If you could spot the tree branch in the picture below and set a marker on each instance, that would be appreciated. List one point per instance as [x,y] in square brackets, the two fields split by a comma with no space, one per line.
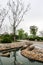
[23,15]
[3,18]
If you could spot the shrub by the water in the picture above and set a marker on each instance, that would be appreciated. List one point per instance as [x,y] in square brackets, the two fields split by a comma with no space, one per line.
[38,38]
[32,38]
[41,38]
[7,38]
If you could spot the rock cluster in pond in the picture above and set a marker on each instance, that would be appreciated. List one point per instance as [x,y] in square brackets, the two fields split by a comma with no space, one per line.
[5,54]
[33,53]
[5,49]
[27,50]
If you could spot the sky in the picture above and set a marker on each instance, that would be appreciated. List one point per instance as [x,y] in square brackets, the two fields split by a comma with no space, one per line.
[33,17]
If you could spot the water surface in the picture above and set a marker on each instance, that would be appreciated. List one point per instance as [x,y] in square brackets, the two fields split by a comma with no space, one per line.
[17,59]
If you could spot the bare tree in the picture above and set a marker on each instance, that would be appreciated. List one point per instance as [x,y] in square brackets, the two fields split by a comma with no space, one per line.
[18,10]
[3,14]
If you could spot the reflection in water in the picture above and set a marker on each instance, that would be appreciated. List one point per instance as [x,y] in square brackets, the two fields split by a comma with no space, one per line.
[20,60]
[1,61]
[17,59]
[13,54]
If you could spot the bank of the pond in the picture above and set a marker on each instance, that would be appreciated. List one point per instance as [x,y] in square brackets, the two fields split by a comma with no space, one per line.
[5,49]
[33,53]
[20,60]
[25,61]
[10,46]
[29,49]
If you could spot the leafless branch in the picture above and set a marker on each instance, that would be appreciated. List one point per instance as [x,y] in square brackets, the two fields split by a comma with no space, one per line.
[18,11]
[22,15]
[3,15]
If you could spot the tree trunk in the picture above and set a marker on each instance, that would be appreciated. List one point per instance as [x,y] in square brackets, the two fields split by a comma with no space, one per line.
[14,30]
[14,33]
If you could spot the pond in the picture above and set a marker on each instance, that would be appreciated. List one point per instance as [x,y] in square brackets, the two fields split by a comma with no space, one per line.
[17,59]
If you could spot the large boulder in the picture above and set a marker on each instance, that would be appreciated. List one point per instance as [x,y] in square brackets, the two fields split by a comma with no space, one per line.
[34,54]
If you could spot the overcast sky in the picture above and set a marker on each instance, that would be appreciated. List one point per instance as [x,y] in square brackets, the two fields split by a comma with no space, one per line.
[33,17]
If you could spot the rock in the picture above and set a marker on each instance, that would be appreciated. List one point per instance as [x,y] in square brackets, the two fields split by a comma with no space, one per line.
[24,47]
[34,55]
[31,47]
[10,47]
[5,55]
[29,43]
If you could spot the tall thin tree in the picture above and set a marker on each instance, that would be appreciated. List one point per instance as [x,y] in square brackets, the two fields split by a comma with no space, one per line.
[3,14]
[18,10]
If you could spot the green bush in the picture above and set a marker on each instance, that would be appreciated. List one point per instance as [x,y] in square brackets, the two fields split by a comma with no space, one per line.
[17,37]
[31,37]
[7,38]
[37,38]
[12,37]
[41,38]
